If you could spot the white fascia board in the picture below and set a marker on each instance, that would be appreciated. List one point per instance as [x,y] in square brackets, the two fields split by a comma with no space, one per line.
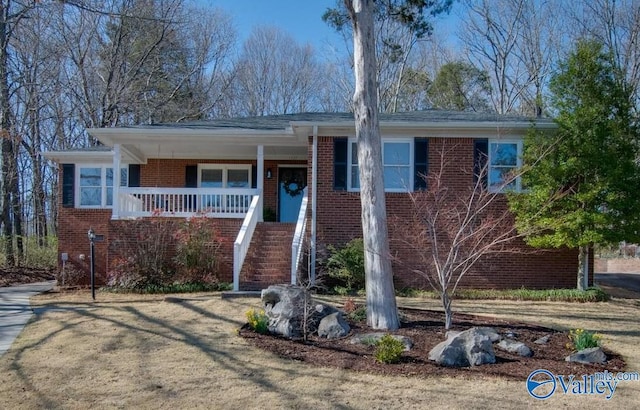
[69,157]
[111,136]
[434,128]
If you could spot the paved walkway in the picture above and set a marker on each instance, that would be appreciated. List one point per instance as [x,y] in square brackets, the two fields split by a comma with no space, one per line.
[629,281]
[15,311]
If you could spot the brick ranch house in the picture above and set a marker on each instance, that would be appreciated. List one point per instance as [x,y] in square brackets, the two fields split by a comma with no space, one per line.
[238,171]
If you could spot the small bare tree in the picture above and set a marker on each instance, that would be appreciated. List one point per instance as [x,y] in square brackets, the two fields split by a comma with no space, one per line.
[451,228]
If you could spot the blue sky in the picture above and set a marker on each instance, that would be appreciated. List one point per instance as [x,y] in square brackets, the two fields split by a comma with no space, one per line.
[300,18]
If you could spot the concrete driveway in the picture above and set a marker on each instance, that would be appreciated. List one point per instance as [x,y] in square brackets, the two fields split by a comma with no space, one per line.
[15,311]
[629,281]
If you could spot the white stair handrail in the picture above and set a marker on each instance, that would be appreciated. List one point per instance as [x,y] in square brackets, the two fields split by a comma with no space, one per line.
[243,240]
[298,238]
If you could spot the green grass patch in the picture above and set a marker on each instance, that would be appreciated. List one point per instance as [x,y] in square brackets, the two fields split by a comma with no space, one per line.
[173,288]
[550,295]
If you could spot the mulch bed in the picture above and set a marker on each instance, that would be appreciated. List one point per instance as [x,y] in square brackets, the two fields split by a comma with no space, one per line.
[425,329]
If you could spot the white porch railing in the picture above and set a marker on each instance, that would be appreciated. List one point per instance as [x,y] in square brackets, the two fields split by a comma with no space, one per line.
[243,241]
[185,202]
[297,247]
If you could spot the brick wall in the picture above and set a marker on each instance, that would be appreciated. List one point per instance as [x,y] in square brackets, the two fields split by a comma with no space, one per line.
[125,235]
[339,221]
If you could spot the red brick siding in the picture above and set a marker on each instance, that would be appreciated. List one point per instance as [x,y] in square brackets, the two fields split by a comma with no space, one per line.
[227,230]
[73,225]
[339,221]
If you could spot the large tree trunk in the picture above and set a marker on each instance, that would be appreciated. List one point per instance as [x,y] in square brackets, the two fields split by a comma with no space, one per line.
[382,312]
[583,267]
[7,142]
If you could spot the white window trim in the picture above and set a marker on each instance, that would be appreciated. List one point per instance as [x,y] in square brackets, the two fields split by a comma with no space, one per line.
[224,168]
[103,185]
[519,144]
[412,164]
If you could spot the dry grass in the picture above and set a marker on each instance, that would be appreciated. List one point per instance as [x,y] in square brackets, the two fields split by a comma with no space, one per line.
[132,351]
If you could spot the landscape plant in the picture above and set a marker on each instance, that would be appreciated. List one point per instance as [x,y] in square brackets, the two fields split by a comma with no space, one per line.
[581,339]
[585,191]
[389,349]
[450,230]
[258,321]
[198,245]
[142,254]
[346,266]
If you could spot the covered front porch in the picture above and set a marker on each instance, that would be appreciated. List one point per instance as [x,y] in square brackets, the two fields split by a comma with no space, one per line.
[231,177]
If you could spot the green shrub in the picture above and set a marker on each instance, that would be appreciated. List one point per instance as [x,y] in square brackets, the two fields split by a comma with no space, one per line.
[549,295]
[581,339]
[389,349]
[258,321]
[346,266]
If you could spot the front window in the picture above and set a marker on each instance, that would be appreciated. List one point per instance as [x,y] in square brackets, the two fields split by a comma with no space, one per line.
[95,184]
[397,163]
[225,176]
[504,161]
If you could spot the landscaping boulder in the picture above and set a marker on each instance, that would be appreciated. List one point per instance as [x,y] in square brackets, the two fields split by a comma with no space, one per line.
[472,347]
[333,326]
[591,355]
[513,346]
[543,340]
[291,310]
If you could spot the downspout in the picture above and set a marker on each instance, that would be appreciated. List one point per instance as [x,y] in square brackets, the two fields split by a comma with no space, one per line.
[314,197]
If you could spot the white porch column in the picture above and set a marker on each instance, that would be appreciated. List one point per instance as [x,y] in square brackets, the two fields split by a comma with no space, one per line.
[115,211]
[260,182]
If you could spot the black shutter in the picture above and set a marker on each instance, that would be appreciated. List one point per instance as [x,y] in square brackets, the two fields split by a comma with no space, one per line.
[68,185]
[134,175]
[191,176]
[480,157]
[340,149]
[254,176]
[420,163]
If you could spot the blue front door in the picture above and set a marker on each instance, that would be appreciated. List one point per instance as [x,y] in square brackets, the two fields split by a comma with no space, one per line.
[291,182]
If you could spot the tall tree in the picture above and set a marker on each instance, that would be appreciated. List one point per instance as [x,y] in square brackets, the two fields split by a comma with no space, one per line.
[382,312]
[275,75]
[398,27]
[11,217]
[591,172]
[460,86]
[381,304]
[616,24]
[490,34]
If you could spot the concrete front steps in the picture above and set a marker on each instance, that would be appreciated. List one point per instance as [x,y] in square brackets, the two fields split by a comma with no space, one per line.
[268,261]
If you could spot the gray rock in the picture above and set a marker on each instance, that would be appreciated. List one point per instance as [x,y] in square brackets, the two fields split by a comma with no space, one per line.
[472,347]
[591,355]
[543,340]
[490,332]
[333,326]
[373,338]
[452,333]
[510,334]
[513,346]
[292,311]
